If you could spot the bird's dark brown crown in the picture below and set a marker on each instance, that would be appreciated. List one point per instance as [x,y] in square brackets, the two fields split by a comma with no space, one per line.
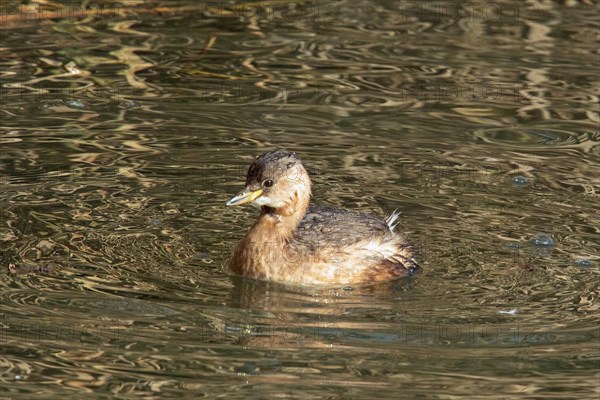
[273,165]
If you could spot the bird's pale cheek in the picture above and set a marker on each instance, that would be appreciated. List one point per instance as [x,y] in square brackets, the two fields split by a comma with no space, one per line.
[268,201]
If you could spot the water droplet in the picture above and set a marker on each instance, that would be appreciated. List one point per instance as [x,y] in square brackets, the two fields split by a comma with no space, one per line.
[520,180]
[542,240]
[583,263]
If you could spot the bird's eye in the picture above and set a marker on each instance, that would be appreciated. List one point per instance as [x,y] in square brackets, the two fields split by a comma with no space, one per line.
[268,183]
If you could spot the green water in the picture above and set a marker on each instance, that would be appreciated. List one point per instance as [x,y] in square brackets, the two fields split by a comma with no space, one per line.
[126,126]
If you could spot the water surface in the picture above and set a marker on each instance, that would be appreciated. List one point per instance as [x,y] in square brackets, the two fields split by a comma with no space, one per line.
[126,126]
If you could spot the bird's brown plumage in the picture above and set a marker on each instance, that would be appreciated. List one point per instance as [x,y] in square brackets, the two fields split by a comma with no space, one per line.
[295,242]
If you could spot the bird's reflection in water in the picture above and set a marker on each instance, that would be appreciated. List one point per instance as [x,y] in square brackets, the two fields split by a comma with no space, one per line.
[281,316]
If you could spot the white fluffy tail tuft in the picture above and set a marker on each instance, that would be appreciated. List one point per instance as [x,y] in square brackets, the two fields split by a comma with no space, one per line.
[391,220]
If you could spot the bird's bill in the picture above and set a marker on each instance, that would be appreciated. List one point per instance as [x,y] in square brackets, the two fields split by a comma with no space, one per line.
[245,196]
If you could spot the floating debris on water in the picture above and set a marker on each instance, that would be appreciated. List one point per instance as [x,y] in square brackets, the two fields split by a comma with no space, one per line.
[31,269]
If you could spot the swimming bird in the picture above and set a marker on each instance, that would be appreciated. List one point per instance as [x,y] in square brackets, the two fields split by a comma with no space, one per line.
[296,242]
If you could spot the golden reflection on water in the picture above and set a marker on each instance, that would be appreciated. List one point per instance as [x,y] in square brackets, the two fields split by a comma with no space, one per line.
[124,132]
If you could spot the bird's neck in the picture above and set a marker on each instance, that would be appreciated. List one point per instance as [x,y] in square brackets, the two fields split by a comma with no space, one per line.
[280,223]
[264,248]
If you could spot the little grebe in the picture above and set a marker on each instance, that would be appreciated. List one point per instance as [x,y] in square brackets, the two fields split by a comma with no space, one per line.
[299,243]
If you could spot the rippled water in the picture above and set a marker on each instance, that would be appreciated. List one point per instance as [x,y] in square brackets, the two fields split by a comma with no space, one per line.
[126,126]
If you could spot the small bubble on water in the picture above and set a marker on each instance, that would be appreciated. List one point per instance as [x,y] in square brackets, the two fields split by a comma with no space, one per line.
[17,377]
[542,240]
[583,263]
[130,104]
[514,245]
[76,104]
[520,180]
